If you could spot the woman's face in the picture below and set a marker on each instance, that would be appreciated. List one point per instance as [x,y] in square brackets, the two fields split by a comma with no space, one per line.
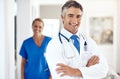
[37,28]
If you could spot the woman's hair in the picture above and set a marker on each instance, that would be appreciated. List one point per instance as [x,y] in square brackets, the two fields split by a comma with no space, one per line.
[71,3]
[38,19]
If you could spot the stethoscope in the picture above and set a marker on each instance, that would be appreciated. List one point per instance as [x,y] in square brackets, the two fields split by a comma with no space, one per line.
[85,42]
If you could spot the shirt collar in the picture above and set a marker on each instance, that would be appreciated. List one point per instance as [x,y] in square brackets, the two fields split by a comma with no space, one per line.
[67,33]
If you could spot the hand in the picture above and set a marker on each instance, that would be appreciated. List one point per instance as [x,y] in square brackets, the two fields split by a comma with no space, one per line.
[92,61]
[67,71]
[50,77]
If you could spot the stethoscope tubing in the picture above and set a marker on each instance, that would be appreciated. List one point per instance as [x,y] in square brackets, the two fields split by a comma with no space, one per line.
[85,43]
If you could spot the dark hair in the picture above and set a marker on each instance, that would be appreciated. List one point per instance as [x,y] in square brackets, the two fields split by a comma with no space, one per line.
[72,3]
[38,19]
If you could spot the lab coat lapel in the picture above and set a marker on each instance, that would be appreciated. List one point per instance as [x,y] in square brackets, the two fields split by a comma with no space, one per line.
[69,50]
[81,40]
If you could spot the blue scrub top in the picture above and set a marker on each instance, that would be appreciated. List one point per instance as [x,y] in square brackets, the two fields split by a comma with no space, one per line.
[36,66]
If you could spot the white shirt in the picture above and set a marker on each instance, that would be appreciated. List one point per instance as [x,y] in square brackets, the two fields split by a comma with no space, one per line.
[66,53]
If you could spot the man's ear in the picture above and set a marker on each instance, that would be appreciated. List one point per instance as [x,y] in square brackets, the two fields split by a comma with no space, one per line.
[62,16]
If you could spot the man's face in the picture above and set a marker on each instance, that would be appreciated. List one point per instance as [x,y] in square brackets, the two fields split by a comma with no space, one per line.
[71,19]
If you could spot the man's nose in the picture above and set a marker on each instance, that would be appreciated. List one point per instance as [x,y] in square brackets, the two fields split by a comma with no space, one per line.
[74,20]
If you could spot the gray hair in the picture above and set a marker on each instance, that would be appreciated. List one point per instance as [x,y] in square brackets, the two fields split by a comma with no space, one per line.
[71,3]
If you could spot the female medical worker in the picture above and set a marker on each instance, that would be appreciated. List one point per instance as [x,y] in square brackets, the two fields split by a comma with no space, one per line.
[64,60]
[33,63]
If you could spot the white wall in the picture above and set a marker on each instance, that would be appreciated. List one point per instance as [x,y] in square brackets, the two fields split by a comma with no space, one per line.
[50,11]
[9,41]
[118,37]
[2,41]
[7,62]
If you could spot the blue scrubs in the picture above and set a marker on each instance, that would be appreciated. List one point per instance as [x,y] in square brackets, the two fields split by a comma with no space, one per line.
[36,66]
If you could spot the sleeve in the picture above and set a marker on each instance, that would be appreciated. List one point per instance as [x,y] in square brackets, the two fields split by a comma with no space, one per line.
[53,56]
[96,71]
[23,52]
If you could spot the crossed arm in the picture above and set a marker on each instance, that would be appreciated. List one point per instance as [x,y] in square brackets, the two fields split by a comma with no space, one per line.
[66,70]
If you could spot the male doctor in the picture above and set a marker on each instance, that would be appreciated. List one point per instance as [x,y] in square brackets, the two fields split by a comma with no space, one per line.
[72,55]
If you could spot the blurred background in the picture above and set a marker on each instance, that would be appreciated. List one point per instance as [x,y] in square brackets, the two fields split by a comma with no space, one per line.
[101,21]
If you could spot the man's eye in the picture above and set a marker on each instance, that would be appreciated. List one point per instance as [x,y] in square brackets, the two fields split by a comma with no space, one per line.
[40,27]
[79,16]
[35,26]
[70,15]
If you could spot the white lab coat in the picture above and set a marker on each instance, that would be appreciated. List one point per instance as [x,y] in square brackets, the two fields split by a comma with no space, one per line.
[67,54]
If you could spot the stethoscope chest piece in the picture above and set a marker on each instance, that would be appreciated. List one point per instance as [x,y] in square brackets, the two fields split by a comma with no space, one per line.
[85,46]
